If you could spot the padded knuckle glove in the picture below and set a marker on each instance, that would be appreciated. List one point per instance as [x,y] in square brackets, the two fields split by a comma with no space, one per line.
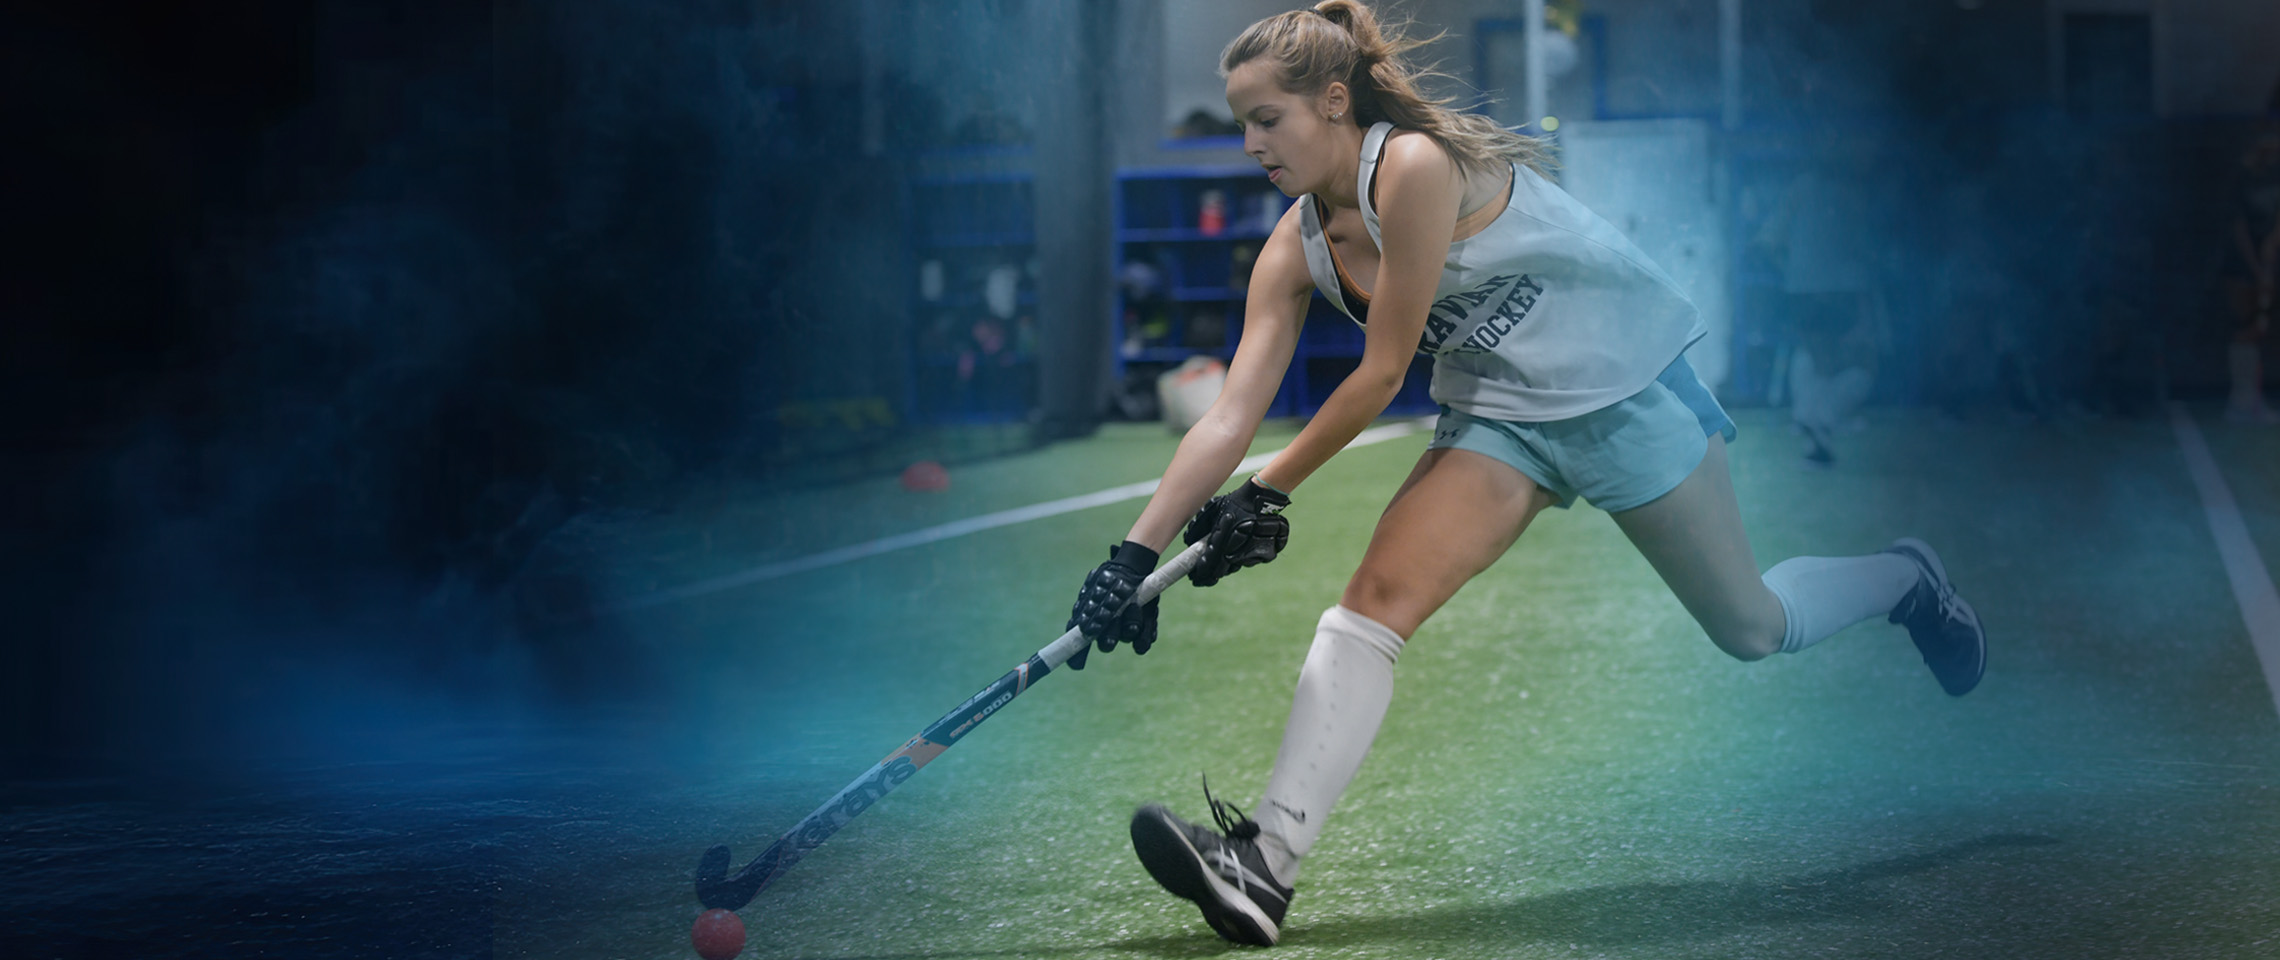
[1243,528]
[1104,612]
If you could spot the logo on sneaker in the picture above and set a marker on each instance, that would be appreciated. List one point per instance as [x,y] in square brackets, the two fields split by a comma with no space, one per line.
[1298,815]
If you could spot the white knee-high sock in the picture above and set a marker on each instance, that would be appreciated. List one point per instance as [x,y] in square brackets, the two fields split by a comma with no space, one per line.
[1822,595]
[1342,694]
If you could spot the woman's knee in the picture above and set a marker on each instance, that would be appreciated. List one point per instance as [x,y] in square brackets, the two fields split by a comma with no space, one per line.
[1748,637]
[1382,598]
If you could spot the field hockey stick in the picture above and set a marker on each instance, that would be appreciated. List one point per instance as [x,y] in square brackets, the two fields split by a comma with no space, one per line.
[717,890]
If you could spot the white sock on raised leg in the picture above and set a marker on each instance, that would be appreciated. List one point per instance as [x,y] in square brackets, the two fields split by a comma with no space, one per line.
[1822,595]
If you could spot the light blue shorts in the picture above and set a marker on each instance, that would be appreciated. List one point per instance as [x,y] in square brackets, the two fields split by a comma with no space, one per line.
[1617,457]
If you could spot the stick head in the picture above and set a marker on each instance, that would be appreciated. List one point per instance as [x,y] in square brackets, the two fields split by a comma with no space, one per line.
[714,889]
[717,890]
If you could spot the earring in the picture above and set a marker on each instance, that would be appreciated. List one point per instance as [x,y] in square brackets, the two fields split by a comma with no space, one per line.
[1335,116]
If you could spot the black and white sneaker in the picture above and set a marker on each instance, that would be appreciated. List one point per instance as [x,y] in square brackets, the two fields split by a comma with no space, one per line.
[1945,628]
[1221,870]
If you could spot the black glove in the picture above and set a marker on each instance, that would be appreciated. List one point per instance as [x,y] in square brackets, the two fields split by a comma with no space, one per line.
[1244,527]
[1102,611]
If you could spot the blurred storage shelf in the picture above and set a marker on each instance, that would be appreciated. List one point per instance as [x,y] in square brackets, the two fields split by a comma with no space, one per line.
[1186,238]
[1181,282]
[1177,234]
[979,240]
[970,230]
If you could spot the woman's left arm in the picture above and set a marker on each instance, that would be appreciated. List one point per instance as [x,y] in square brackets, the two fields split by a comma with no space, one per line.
[1419,189]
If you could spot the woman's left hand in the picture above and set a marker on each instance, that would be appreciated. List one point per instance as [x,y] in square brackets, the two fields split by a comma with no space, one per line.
[1244,527]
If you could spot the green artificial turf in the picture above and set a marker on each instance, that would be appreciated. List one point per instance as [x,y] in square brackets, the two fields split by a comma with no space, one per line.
[1569,769]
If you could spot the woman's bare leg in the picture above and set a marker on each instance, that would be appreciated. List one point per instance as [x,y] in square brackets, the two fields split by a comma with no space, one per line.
[1455,515]
[1452,518]
[1693,537]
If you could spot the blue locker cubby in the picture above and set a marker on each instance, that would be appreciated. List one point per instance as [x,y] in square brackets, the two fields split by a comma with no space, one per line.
[967,364]
[1180,284]
[1184,299]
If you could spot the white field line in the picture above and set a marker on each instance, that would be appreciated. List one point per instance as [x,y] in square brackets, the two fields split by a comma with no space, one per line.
[2251,579]
[960,528]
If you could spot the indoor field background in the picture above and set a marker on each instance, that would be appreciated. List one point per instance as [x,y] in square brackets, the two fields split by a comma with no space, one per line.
[453,452]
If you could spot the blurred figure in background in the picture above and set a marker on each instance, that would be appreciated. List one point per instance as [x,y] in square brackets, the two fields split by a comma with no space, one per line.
[2249,277]
[1819,236]
[2119,363]
[2015,373]
[1974,293]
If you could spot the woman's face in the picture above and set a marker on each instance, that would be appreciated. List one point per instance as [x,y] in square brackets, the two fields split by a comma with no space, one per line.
[1290,134]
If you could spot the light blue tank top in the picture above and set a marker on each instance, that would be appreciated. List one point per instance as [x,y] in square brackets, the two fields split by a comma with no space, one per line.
[1547,314]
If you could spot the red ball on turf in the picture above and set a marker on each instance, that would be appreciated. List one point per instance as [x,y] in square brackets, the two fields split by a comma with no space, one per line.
[925,476]
[719,935]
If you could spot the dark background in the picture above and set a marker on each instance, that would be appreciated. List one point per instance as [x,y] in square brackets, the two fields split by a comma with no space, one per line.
[323,317]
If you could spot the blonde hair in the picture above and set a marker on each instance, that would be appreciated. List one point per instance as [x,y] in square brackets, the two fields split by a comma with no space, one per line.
[1340,41]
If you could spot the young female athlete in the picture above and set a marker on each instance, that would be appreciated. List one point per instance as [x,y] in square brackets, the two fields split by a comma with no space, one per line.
[1558,365]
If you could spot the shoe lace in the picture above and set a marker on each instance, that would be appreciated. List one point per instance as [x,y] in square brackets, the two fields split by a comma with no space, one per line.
[1238,826]
[1951,606]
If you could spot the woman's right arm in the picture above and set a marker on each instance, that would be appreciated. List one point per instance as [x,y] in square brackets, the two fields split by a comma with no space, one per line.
[1273,310]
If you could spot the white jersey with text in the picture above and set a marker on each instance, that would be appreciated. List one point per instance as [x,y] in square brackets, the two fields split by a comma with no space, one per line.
[1547,314]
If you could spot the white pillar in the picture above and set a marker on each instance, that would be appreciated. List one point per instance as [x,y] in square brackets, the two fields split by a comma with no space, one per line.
[1074,188]
[1532,14]
[1730,64]
[871,23]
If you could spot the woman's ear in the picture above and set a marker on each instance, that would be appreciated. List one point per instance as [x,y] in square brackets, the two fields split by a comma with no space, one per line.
[1335,101]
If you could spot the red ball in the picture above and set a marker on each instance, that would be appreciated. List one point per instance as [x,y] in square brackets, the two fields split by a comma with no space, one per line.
[925,475]
[719,935]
